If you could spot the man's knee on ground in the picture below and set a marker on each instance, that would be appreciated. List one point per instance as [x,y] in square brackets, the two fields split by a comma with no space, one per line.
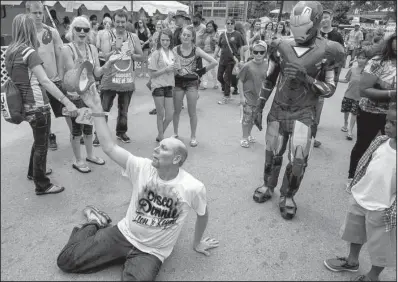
[65,263]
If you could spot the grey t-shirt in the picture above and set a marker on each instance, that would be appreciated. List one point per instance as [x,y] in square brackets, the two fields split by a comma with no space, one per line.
[252,76]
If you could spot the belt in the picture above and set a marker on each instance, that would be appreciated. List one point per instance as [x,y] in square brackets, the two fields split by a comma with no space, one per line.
[38,109]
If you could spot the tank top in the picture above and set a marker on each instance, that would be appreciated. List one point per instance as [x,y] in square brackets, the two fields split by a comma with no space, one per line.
[121,75]
[78,60]
[144,37]
[188,65]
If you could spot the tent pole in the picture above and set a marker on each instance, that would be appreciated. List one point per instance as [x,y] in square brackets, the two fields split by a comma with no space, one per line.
[280,12]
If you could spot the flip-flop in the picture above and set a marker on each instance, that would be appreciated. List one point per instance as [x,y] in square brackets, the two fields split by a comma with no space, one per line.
[104,214]
[97,161]
[344,129]
[80,169]
[349,137]
[53,189]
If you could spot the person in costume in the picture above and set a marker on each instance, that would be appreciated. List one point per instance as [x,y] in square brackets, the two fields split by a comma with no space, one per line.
[305,67]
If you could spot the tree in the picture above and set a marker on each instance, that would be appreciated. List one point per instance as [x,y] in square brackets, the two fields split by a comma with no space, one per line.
[340,10]
[260,9]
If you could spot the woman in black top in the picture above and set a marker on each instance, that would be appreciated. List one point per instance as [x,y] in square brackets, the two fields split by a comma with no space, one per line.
[144,35]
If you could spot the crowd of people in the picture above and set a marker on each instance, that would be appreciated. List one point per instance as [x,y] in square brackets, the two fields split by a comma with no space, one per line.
[180,56]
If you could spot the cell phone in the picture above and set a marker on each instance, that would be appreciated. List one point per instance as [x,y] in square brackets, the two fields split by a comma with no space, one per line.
[119,43]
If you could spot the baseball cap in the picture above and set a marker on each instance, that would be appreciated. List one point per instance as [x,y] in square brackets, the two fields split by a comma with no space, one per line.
[328,11]
[260,43]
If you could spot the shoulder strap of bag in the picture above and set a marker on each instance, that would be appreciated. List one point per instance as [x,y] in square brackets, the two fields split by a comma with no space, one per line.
[226,38]
[74,53]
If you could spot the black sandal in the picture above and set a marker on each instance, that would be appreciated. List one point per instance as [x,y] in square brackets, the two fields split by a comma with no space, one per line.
[261,197]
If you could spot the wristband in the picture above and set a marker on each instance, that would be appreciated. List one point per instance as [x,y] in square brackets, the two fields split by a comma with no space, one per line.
[103,114]
[60,99]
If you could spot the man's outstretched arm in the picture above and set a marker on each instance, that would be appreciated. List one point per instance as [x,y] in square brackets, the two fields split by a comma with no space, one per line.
[108,145]
[199,245]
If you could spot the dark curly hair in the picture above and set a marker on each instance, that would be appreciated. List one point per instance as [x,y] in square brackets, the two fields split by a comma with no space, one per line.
[388,53]
[167,32]
[215,27]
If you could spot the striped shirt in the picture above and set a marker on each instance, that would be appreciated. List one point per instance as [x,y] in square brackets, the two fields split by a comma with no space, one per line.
[20,72]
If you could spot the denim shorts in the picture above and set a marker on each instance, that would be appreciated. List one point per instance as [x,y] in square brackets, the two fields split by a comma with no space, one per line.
[55,104]
[166,91]
[184,85]
[77,128]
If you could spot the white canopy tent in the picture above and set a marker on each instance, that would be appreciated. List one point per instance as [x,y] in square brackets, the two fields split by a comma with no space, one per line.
[163,7]
[94,5]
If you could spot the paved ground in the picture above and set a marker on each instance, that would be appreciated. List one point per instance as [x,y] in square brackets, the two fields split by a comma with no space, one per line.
[255,242]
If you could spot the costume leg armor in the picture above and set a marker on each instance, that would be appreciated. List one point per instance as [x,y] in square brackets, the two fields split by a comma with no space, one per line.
[301,143]
[276,142]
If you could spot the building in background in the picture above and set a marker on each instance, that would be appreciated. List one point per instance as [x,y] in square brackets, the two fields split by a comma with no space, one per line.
[218,11]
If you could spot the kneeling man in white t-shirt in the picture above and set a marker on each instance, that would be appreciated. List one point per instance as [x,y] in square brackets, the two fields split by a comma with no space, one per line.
[162,195]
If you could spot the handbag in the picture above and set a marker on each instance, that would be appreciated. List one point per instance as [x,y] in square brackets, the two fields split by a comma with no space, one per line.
[11,100]
[235,70]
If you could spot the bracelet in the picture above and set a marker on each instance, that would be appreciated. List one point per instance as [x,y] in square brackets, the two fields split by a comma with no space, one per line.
[60,99]
[103,114]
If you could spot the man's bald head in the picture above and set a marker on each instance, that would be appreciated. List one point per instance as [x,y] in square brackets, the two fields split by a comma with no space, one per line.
[179,149]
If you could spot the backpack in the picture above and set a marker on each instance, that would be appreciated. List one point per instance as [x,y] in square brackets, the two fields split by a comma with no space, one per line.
[11,100]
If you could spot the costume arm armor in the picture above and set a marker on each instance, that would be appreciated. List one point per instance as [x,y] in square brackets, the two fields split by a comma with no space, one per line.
[324,83]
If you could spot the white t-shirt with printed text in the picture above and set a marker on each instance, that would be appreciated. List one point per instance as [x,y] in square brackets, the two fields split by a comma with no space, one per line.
[158,208]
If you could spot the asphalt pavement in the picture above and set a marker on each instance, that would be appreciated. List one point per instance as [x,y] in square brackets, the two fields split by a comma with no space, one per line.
[255,242]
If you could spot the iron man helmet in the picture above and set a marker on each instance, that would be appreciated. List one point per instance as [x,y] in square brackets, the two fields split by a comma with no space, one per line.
[305,20]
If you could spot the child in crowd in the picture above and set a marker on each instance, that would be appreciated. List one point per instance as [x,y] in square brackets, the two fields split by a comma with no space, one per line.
[350,103]
[251,78]
[162,65]
[373,211]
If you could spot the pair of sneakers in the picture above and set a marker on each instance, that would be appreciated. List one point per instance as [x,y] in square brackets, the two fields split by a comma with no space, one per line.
[245,143]
[340,264]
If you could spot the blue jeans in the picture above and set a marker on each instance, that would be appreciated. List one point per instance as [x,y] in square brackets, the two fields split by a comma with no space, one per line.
[40,125]
[224,76]
[123,102]
[91,249]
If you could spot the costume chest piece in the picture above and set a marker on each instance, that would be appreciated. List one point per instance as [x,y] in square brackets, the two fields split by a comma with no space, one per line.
[308,57]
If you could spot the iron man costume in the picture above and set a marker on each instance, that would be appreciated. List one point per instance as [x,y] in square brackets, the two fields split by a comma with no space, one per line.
[302,69]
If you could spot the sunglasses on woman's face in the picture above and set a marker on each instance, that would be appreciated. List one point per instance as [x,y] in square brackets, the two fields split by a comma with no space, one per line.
[85,29]
[230,24]
[258,52]
[139,22]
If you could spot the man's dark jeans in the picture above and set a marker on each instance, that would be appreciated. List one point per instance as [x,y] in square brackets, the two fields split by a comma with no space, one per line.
[40,125]
[91,249]
[123,101]
[226,79]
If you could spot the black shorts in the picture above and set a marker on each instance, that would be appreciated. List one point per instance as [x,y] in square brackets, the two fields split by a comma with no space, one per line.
[166,91]
[349,106]
[55,104]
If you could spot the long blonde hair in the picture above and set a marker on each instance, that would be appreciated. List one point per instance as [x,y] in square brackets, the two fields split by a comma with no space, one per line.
[69,34]
[23,33]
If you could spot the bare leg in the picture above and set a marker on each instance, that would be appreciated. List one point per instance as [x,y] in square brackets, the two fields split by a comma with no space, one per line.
[245,131]
[250,127]
[346,119]
[353,120]
[353,257]
[160,113]
[192,100]
[374,272]
[169,110]
[69,123]
[75,142]
[177,99]
[88,143]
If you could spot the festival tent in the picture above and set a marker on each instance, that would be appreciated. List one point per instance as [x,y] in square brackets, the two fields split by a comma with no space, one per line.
[93,5]
[164,7]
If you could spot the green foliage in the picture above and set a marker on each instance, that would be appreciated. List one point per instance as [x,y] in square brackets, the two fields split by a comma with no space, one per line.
[261,9]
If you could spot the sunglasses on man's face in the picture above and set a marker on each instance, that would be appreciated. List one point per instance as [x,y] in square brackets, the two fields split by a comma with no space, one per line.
[258,52]
[85,29]
[230,24]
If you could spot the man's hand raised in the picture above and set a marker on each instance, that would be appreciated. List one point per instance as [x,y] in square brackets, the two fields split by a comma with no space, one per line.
[206,244]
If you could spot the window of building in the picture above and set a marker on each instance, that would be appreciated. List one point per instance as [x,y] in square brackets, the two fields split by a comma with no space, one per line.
[207,4]
[219,13]
[206,13]
[220,4]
